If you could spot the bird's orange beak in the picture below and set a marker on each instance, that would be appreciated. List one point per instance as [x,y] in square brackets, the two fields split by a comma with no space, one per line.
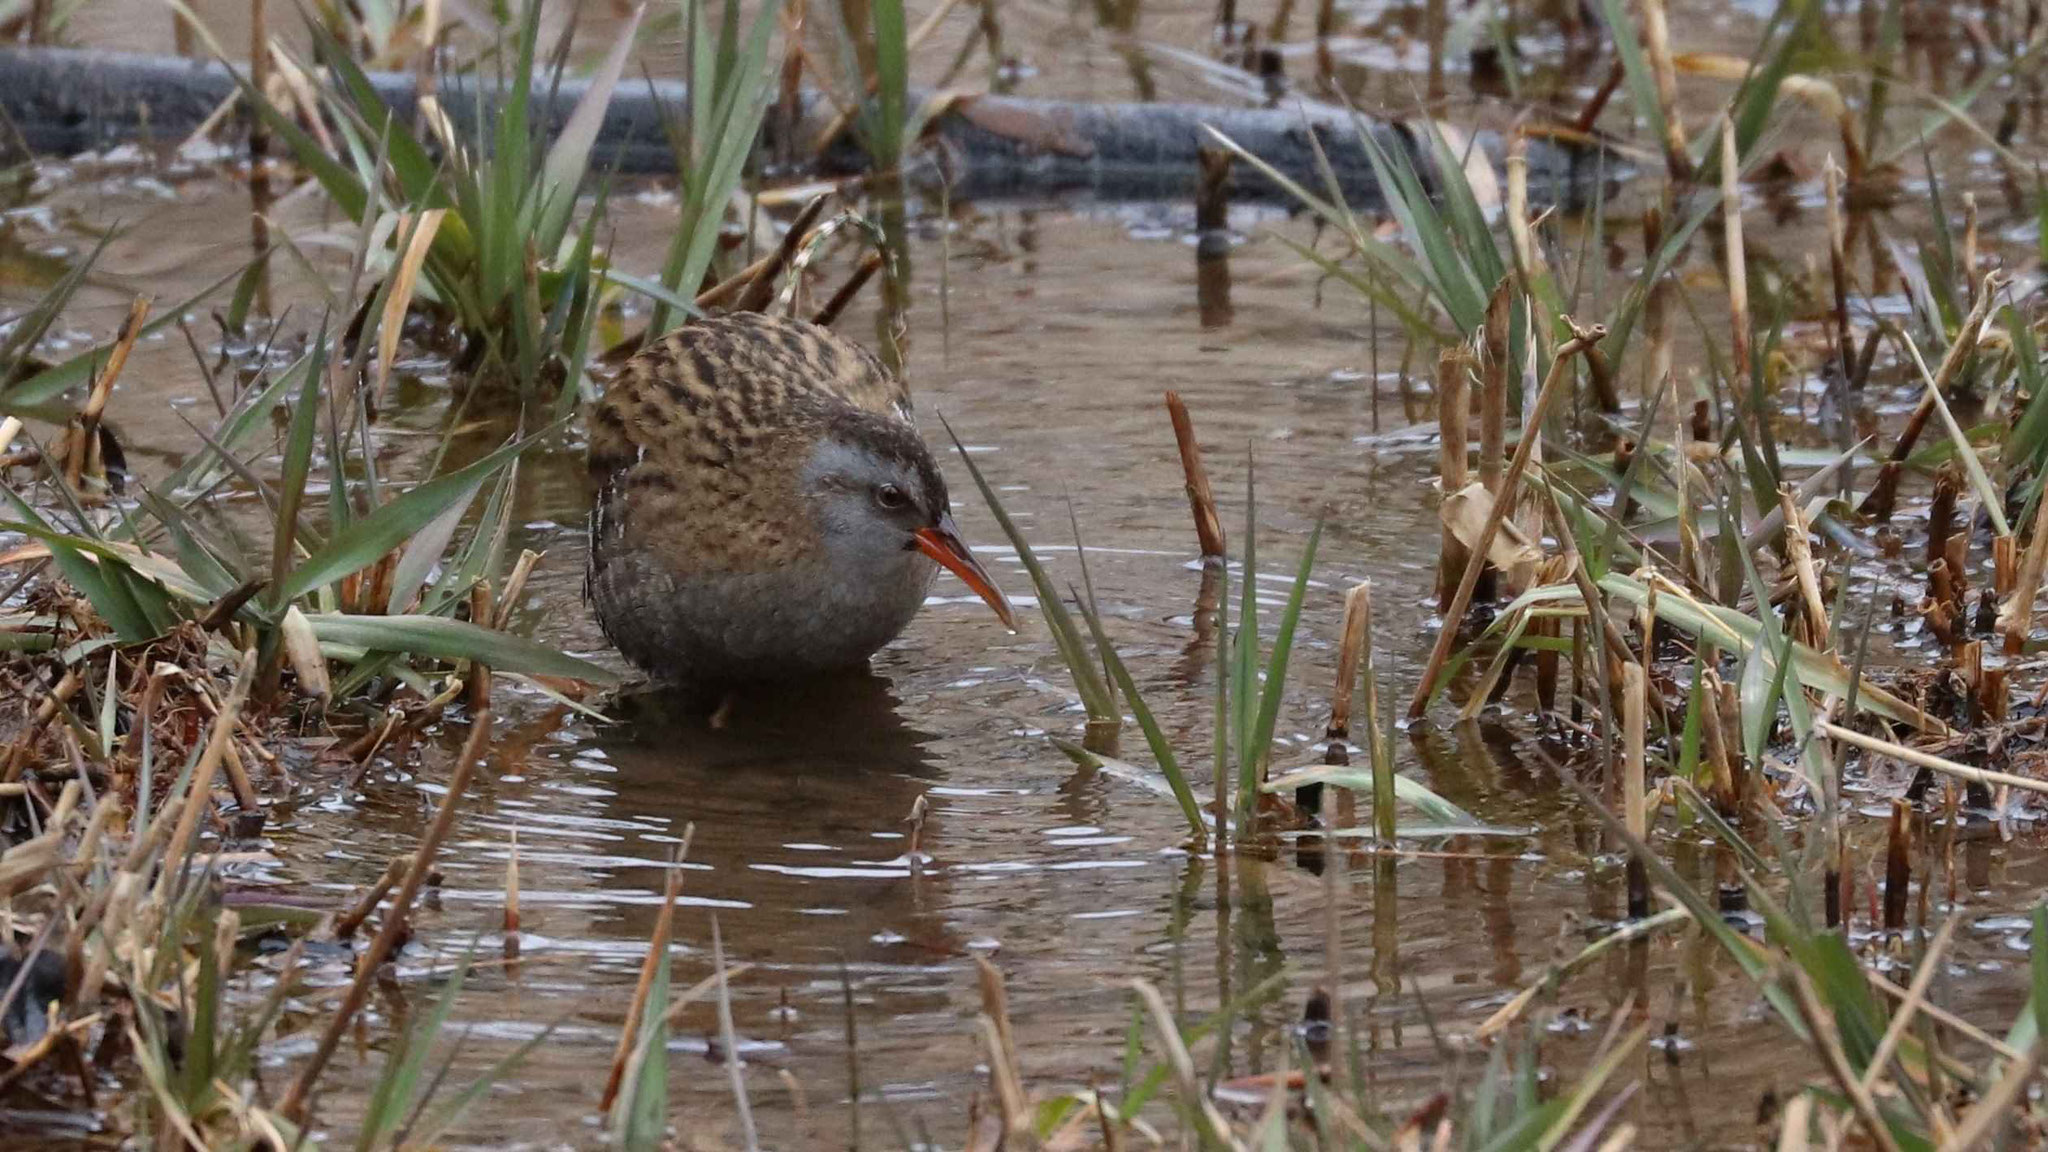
[942,543]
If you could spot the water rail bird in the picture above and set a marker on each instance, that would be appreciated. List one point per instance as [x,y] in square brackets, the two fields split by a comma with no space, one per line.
[764,507]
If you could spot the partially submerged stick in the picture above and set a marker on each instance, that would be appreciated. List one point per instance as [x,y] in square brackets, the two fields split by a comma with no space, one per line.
[1201,498]
[386,941]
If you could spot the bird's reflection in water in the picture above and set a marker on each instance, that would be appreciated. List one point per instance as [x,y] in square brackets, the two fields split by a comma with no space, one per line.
[800,798]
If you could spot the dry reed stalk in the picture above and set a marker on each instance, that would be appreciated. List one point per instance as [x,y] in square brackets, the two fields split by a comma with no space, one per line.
[1350,651]
[1590,114]
[657,954]
[1941,511]
[1878,504]
[1546,398]
[59,697]
[789,85]
[2005,566]
[720,293]
[297,1097]
[729,1039]
[515,588]
[760,288]
[82,455]
[1006,1072]
[511,925]
[239,782]
[1941,618]
[1915,1000]
[1725,714]
[346,924]
[1838,272]
[1820,1028]
[1994,1111]
[1326,64]
[1453,409]
[1799,553]
[1657,44]
[1519,233]
[1898,865]
[1201,498]
[1992,694]
[1970,666]
[1919,759]
[920,808]
[481,611]
[1493,393]
[1635,692]
[1216,1128]
[200,793]
[862,273]
[1737,255]
[2016,617]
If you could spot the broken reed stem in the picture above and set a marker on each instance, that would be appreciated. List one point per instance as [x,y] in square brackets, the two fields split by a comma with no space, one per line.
[512,897]
[760,289]
[864,272]
[1799,553]
[1453,410]
[481,613]
[346,924]
[657,954]
[1878,504]
[1553,385]
[1380,752]
[1493,414]
[1635,691]
[1898,866]
[1738,257]
[294,1106]
[84,447]
[1337,733]
[201,791]
[1201,498]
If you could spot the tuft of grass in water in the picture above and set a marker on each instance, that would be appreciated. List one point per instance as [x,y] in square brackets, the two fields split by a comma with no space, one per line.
[728,78]
[1251,686]
[502,261]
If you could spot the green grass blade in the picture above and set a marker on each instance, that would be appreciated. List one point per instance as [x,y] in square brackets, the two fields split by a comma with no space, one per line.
[298,462]
[569,158]
[364,542]
[446,639]
[1283,648]
[1095,695]
[1155,737]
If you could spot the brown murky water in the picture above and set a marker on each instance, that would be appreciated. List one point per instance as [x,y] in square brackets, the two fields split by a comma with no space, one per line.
[1064,325]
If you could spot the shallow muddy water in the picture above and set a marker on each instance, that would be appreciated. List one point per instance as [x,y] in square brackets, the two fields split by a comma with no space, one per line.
[1062,326]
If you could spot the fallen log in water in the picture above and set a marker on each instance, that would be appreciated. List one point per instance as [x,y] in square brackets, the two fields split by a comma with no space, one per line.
[67,101]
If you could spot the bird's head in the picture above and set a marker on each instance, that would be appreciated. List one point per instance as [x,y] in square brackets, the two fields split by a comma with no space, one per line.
[880,502]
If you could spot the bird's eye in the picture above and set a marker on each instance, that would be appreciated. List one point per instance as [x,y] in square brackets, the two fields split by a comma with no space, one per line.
[891,498]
